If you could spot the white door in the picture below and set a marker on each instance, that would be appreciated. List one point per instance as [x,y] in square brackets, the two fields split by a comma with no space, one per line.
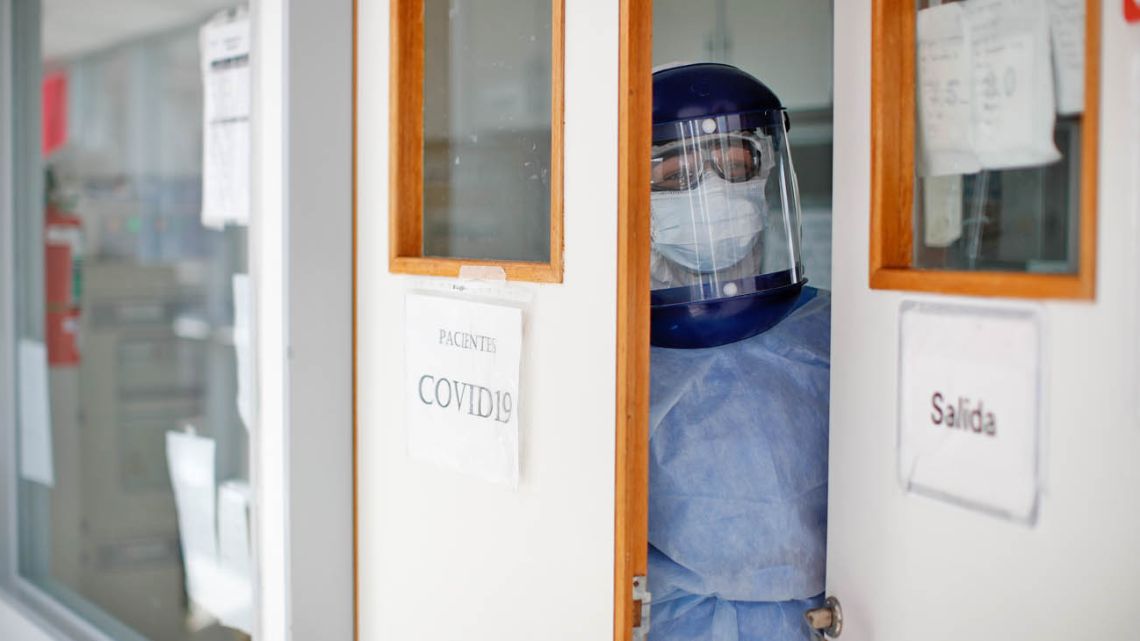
[447,556]
[909,567]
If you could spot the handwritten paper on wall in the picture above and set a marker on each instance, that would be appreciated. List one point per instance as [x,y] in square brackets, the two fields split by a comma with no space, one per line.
[942,210]
[234,555]
[213,528]
[1067,23]
[945,77]
[462,385]
[35,415]
[225,47]
[1014,108]
[243,350]
[190,459]
[986,88]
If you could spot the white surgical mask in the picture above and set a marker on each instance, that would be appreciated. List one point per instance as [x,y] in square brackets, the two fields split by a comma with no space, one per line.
[711,227]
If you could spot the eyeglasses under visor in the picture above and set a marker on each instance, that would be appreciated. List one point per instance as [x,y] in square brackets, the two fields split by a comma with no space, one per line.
[683,164]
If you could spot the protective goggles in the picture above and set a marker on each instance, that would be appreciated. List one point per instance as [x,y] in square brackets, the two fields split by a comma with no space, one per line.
[682,165]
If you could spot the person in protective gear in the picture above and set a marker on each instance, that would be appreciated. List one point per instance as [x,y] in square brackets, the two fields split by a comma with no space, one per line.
[739,368]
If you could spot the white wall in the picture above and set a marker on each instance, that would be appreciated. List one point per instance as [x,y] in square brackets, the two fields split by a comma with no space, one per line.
[1063,578]
[318,317]
[783,43]
[267,266]
[15,626]
[442,556]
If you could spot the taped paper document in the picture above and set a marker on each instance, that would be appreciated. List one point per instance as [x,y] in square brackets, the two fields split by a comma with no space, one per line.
[213,527]
[462,385]
[35,415]
[235,608]
[225,45]
[1067,24]
[945,79]
[1013,103]
[985,84]
[242,348]
[190,459]
[942,210]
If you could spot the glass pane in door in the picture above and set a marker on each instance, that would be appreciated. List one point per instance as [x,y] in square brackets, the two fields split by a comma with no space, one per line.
[487,129]
[999,109]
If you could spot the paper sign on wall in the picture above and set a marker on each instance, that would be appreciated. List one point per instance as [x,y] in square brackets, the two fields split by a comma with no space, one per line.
[945,80]
[213,529]
[243,350]
[985,83]
[942,210]
[462,385]
[225,47]
[35,415]
[969,406]
[1014,103]
[234,555]
[190,459]
[1067,23]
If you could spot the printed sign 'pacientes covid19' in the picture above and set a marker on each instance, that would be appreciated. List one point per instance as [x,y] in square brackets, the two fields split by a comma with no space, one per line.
[462,382]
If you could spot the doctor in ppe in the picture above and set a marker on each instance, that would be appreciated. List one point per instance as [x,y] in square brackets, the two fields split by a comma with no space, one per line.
[739,368]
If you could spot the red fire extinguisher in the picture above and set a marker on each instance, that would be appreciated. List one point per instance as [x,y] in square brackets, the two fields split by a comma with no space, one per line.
[63,257]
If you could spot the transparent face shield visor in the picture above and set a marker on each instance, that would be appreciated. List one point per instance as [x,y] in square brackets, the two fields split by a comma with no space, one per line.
[725,211]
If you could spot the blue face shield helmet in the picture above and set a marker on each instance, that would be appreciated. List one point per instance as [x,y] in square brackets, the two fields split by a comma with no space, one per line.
[725,212]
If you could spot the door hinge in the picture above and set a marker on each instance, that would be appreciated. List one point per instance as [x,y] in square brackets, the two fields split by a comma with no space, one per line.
[827,620]
[641,602]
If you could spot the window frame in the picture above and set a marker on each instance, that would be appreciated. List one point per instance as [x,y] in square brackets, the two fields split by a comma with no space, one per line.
[405,173]
[893,25]
[39,609]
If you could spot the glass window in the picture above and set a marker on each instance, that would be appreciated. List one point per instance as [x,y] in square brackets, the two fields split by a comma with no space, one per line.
[128,272]
[487,171]
[999,96]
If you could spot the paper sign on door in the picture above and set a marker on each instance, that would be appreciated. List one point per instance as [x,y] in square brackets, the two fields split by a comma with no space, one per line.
[462,385]
[969,406]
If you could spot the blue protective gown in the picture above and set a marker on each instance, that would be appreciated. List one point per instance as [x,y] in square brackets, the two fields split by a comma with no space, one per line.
[738,482]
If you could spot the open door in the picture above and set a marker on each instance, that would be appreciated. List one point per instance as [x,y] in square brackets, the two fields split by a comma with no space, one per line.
[907,563]
[444,554]
[787,46]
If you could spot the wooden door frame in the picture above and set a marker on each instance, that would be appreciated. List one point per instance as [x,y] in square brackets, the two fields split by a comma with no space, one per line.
[631,479]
